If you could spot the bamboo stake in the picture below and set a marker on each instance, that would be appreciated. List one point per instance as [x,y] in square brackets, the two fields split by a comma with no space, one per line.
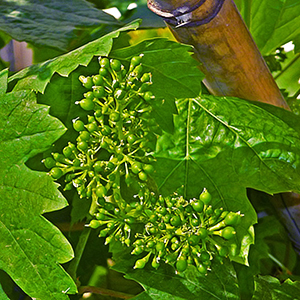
[229,58]
[233,66]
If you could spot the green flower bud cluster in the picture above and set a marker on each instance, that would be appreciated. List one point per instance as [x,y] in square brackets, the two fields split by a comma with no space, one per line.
[171,230]
[111,162]
[119,136]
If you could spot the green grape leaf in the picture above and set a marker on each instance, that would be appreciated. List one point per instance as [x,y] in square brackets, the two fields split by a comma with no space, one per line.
[50,23]
[38,76]
[31,247]
[174,74]
[274,23]
[270,288]
[164,284]
[228,145]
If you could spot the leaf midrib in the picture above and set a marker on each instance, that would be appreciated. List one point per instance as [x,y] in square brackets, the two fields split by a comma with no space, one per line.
[235,133]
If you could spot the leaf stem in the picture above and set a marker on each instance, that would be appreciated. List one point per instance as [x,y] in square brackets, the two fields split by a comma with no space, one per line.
[284,268]
[84,236]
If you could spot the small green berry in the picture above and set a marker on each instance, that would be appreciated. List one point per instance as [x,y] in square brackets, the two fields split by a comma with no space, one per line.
[160,246]
[149,169]
[142,176]
[137,250]
[76,162]
[114,116]
[87,104]
[108,239]
[150,244]
[194,240]
[135,60]
[78,125]
[204,256]
[202,232]
[146,77]
[153,230]
[68,152]
[56,173]
[153,218]
[82,145]
[228,232]
[49,162]
[131,138]
[89,95]
[148,96]
[84,136]
[87,82]
[103,72]
[99,92]
[136,167]
[137,71]
[155,263]
[181,264]
[101,191]
[202,269]
[95,224]
[171,257]
[140,264]
[195,222]
[205,196]
[91,127]
[100,216]
[115,65]
[98,167]
[97,80]
[232,218]
[198,206]
[104,232]
[104,62]
[106,130]
[175,221]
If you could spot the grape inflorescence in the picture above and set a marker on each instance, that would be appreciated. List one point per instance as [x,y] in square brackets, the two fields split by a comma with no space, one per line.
[119,136]
[114,152]
[171,230]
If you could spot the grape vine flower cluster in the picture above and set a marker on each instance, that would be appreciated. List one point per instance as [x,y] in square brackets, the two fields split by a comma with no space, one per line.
[171,230]
[114,152]
[119,136]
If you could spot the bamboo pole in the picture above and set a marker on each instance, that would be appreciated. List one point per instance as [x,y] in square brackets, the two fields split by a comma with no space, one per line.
[229,58]
[233,66]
